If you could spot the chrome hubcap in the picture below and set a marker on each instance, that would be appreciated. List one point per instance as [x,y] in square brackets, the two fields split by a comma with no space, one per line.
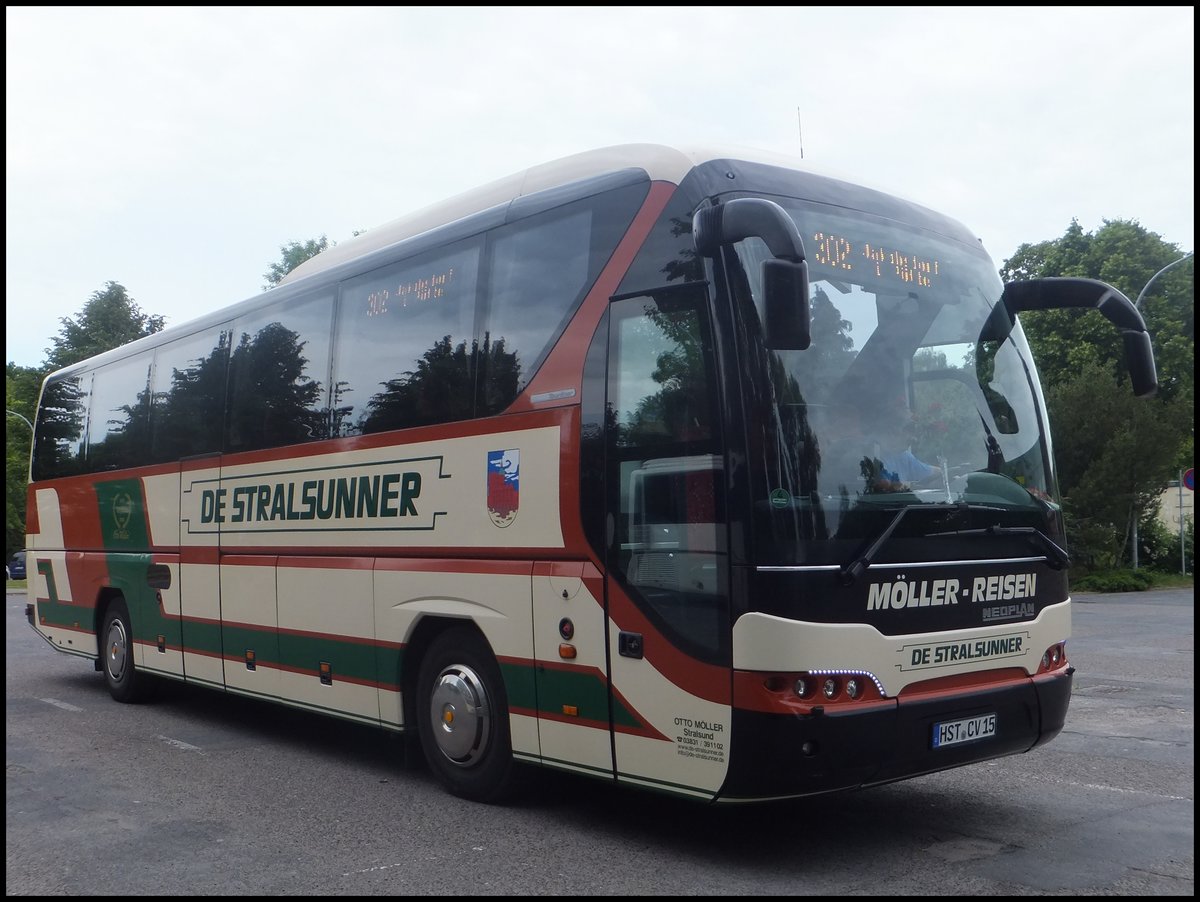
[461,714]
[118,650]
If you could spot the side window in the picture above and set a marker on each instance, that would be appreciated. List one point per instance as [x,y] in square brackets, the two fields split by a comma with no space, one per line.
[119,425]
[539,272]
[60,434]
[189,396]
[279,375]
[541,269]
[405,344]
[666,468]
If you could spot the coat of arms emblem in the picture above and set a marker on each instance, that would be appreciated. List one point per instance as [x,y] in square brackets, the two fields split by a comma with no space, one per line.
[503,486]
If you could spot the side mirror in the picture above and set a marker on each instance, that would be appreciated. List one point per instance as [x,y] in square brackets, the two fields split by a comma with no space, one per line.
[787,315]
[1064,293]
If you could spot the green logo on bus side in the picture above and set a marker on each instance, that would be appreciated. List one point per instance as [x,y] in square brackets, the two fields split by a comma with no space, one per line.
[122,514]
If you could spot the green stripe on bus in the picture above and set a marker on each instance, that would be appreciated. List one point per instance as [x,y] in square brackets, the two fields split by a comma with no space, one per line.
[52,611]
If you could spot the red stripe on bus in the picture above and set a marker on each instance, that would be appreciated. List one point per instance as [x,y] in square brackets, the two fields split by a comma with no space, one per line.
[87,575]
[248,560]
[955,684]
[326,563]
[456,565]
[750,693]
[338,637]
[708,681]
[32,522]
[190,554]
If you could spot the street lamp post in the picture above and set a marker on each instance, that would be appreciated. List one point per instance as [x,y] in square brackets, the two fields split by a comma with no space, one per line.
[1138,305]
[1146,287]
[13,413]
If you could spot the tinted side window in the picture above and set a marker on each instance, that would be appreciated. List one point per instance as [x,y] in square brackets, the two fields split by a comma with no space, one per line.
[404,348]
[189,396]
[60,437]
[279,375]
[119,425]
[541,268]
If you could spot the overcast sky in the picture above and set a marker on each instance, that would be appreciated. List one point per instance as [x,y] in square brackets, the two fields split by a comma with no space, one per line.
[175,150]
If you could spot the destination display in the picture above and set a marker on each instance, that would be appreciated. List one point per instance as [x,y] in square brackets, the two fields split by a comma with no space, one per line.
[882,260]
[399,294]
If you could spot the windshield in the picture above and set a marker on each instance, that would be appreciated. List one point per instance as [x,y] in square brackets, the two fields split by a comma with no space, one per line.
[915,391]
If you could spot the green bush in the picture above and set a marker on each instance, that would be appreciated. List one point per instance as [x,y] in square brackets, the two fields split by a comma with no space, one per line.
[1114,581]
[1094,546]
[1158,547]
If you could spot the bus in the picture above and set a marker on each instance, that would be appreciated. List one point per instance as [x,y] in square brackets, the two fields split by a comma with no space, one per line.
[610,467]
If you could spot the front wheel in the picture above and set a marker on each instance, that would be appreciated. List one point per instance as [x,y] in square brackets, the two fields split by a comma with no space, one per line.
[125,682]
[462,717]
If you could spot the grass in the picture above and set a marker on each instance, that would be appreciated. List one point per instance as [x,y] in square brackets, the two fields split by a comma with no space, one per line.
[1174,581]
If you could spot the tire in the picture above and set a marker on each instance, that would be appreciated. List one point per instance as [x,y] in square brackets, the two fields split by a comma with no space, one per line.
[125,682]
[462,718]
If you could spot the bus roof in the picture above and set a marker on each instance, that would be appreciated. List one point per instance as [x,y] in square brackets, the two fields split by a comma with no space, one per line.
[660,163]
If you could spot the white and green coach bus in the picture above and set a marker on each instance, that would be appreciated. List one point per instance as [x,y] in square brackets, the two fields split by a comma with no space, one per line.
[688,470]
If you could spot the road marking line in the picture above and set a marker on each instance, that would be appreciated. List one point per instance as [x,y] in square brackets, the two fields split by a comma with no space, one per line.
[381,867]
[58,704]
[179,744]
[1136,792]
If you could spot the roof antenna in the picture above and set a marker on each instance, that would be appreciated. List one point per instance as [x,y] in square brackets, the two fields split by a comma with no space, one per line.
[800,128]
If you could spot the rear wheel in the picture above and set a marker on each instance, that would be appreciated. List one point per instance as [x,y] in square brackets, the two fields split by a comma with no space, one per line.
[462,717]
[125,682]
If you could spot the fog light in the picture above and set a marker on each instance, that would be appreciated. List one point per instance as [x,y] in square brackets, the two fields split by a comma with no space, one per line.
[1056,654]
[852,687]
[1046,661]
[830,687]
[802,688]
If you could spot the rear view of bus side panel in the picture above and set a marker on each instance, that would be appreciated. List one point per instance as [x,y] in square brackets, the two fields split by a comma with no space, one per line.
[104,525]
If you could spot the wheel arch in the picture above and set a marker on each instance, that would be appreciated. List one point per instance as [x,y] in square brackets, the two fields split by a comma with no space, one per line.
[105,597]
[423,634]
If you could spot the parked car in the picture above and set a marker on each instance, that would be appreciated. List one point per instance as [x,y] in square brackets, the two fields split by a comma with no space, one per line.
[16,567]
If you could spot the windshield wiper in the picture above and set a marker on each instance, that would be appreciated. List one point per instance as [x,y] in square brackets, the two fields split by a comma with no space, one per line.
[994,454]
[1056,555]
[851,571]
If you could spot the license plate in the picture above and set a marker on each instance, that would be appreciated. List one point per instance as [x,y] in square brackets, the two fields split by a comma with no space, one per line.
[969,729]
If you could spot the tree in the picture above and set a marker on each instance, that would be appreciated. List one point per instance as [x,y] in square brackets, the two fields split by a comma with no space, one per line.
[294,253]
[20,396]
[1127,256]
[109,319]
[1115,453]
[276,399]
[442,387]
